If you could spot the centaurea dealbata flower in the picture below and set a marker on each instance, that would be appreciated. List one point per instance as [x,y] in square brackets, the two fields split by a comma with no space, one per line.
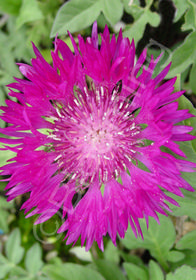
[89,132]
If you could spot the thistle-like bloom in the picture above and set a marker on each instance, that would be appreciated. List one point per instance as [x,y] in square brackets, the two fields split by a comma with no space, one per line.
[91,135]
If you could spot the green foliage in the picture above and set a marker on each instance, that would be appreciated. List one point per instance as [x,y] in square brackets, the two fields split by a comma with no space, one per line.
[133,8]
[111,253]
[109,270]
[142,16]
[188,241]
[10,6]
[127,257]
[12,264]
[155,239]
[184,272]
[190,16]
[188,8]
[4,214]
[185,50]
[69,271]
[192,78]
[112,15]
[187,205]
[155,271]
[81,254]
[184,103]
[29,11]
[5,155]
[28,20]
[14,251]
[175,256]
[15,50]
[181,8]
[135,272]
[189,260]
[136,30]
[76,15]
[33,260]
[184,55]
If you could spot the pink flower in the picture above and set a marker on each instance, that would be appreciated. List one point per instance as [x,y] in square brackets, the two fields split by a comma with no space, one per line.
[89,132]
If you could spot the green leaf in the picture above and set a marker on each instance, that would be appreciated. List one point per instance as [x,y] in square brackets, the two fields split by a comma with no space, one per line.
[29,11]
[141,16]
[133,8]
[113,11]
[135,272]
[8,67]
[81,253]
[192,78]
[109,270]
[183,273]
[42,278]
[2,185]
[22,278]
[136,30]
[3,260]
[16,44]
[155,239]
[156,49]
[49,6]
[188,241]
[17,271]
[175,256]
[14,251]
[111,253]
[76,15]
[2,102]
[3,221]
[189,147]
[189,259]
[33,261]
[55,272]
[155,271]
[5,155]
[11,7]
[16,49]
[131,258]
[4,269]
[71,271]
[183,56]
[149,4]
[46,53]
[184,103]
[101,22]
[5,204]
[190,17]
[2,95]
[181,7]
[39,33]
[187,205]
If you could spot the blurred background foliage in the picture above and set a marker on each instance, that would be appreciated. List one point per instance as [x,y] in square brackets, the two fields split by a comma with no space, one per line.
[38,252]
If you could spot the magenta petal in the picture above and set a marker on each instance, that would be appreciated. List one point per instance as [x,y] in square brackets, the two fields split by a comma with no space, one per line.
[95,35]
[119,210]
[86,123]
[162,75]
[87,219]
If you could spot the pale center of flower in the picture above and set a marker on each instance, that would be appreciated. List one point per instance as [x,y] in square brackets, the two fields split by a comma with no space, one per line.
[99,139]
[97,135]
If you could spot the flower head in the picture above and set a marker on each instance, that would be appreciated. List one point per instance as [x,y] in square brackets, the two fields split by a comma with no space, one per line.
[90,135]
